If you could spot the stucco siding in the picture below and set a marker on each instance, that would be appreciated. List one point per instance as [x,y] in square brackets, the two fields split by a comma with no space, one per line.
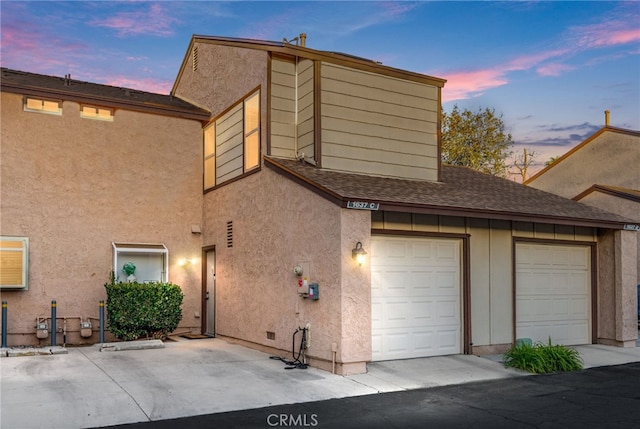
[585,167]
[377,124]
[627,208]
[73,186]
[256,290]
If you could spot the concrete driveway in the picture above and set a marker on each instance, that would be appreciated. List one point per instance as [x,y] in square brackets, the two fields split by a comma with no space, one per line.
[87,387]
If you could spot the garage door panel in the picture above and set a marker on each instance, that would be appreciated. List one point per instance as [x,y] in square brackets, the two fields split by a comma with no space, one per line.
[553,293]
[398,344]
[416,300]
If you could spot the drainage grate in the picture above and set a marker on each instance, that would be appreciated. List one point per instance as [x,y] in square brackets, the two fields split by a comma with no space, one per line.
[230,233]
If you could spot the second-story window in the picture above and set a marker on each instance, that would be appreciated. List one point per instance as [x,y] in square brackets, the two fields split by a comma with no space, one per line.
[100,113]
[52,107]
[210,156]
[252,131]
[231,142]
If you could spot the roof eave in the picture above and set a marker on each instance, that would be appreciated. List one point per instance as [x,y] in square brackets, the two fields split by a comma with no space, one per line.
[106,101]
[304,52]
[342,200]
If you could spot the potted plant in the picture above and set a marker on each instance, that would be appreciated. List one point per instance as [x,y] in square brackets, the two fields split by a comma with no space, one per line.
[130,268]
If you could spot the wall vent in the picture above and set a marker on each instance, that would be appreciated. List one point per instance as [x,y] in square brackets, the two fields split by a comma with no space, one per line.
[271,335]
[194,58]
[230,233]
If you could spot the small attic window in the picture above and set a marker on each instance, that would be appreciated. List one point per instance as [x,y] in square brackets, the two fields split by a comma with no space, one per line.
[194,58]
[99,113]
[52,107]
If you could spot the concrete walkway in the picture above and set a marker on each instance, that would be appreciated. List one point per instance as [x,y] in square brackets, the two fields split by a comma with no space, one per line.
[87,387]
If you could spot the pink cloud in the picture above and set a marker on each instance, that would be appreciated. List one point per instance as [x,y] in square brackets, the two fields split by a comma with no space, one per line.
[143,84]
[155,21]
[466,84]
[554,69]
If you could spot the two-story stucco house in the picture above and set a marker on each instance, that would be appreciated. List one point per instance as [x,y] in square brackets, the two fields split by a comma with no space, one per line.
[603,171]
[269,160]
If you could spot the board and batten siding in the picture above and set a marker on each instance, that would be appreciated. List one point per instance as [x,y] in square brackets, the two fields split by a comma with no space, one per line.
[292,108]
[375,124]
[229,145]
[490,261]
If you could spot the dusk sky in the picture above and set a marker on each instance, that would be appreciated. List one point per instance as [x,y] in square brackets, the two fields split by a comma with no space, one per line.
[551,68]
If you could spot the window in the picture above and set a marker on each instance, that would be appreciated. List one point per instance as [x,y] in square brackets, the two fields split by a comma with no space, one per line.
[14,263]
[100,113]
[231,142]
[252,132]
[43,106]
[150,261]
[210,156]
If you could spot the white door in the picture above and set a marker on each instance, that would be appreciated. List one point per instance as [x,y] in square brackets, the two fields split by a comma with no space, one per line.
[415,297]
[553,293]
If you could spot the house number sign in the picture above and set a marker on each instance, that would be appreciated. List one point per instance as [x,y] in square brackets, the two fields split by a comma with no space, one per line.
[362,205]
[631,227]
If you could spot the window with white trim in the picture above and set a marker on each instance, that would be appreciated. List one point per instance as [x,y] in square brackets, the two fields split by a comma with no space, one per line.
[99,113]
[150,262]
[40,105]
[14,263]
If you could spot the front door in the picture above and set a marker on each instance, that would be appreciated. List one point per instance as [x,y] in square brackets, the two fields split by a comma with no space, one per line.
[210,293]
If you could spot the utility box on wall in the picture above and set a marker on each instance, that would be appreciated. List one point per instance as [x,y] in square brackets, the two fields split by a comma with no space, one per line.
[314,291]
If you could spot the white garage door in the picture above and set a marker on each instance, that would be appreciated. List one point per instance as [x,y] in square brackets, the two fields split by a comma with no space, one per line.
[553,290]
[415,294]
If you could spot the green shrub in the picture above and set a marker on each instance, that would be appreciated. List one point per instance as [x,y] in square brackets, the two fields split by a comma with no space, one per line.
[136,310]
[543,358]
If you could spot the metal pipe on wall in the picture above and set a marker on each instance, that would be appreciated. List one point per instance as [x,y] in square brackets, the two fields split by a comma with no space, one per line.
[101,306]
[4,324]
[53,323]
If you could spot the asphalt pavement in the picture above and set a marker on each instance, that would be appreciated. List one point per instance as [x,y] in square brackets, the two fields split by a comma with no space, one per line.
[601,397]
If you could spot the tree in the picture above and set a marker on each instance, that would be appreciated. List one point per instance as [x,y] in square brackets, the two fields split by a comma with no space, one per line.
[476,140]
[522,163]
[551,161]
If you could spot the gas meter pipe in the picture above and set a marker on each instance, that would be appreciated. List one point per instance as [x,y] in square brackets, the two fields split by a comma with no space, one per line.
[53,323]
[4,324]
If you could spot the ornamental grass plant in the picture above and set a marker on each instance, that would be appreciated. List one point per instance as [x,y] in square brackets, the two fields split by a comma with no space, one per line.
[541,358]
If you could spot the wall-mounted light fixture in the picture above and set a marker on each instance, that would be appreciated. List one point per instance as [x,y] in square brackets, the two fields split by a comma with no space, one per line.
[358,253]
[184,262]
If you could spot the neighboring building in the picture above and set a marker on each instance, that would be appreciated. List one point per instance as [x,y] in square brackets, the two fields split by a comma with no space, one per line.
[603,171]
[308,156]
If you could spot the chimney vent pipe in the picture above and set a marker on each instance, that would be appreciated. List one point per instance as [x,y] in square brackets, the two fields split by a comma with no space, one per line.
[303,39]
[606,118]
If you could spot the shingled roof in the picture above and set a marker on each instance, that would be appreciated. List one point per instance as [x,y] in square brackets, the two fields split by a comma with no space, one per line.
[66,88]
[462,192]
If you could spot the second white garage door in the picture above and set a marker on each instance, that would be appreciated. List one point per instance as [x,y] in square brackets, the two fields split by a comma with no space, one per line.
[553,293]
[416,297]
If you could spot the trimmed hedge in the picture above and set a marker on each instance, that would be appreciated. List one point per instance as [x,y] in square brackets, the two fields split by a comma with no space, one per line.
[136,310]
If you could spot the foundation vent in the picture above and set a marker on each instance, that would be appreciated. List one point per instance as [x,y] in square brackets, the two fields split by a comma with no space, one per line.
[194,58]
[271,335]
[230,233]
